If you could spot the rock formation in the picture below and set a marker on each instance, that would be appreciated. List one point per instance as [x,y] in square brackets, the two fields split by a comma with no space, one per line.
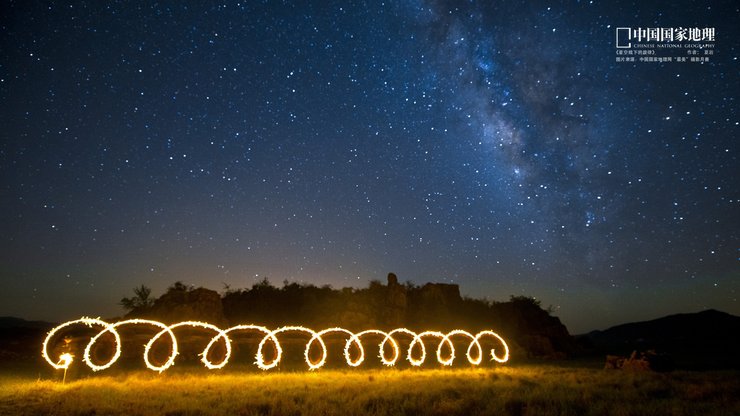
[182,304]
[395,307]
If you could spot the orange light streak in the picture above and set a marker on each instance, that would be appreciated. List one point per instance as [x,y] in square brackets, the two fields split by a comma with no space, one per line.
[474,353]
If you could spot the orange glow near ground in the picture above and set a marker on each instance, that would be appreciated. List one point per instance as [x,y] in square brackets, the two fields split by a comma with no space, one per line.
[389,348]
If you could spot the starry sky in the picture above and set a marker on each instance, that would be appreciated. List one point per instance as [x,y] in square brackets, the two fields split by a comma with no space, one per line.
[496,145]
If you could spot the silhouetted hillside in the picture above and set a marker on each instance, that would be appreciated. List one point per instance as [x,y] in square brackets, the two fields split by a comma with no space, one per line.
[8,322]
[530,330]
[708,339]
[21,339]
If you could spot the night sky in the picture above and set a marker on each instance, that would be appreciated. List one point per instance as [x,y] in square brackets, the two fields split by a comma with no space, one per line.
[496,145]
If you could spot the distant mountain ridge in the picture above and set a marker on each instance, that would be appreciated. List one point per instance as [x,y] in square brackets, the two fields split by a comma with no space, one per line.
[706,339]
[20,339]
[7,322]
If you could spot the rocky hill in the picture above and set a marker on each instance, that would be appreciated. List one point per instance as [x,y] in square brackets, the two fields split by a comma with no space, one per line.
[707,339]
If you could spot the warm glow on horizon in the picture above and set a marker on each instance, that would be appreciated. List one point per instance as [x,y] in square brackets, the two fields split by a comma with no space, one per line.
[474,353]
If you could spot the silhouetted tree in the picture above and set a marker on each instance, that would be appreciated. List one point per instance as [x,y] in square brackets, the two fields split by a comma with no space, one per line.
[179,286]
[140,300]
[525,301]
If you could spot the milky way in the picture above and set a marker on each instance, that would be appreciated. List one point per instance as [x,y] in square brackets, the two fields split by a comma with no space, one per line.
[496,145]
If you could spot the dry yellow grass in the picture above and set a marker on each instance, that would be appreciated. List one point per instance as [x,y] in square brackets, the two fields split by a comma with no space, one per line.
[503,390]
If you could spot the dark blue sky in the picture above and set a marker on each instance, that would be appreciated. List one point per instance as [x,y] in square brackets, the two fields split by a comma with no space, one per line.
[497,145]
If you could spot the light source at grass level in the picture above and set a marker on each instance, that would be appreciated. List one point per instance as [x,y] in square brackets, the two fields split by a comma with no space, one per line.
[474,352]
[65,360]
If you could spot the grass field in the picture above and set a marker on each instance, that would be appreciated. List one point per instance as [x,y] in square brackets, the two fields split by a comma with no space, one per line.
[505,390]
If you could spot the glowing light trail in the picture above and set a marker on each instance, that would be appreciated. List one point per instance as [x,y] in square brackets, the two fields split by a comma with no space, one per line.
[474,353]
